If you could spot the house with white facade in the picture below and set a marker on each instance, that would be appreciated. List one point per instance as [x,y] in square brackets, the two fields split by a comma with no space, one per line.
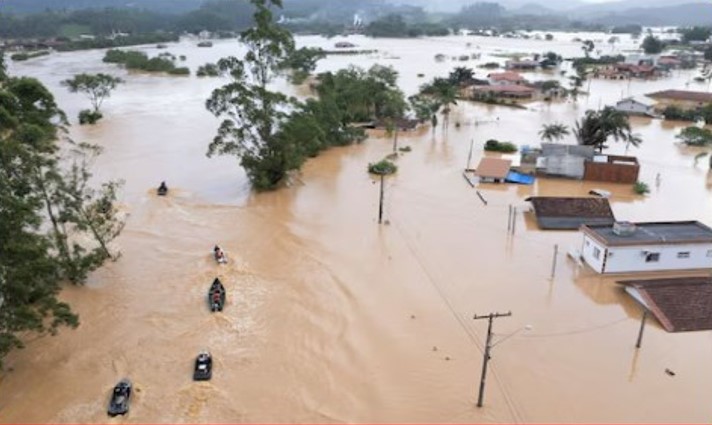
[647,247]
[636,106]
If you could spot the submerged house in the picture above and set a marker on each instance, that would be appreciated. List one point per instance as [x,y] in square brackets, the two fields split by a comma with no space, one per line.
[506,78]
[679,304]
[647,247]
[524,65]
[636,106]
[560,213]
[612,169]
[510,91]
[493,170]
[564,160]
[681,98]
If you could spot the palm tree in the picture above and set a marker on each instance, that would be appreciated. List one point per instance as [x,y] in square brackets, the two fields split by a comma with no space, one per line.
[554,132]
[596,127]
[461,75]
[577,81]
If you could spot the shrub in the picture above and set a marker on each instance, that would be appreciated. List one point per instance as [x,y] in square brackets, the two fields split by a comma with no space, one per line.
[497,146]
[23,56]
[641,188]
[382,168]
[405,149]
[87,116]
[208,70]
[180,71]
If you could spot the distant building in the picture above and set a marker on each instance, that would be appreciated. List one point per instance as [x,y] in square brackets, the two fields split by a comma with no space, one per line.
[506,78]
[511,91]
[681,98]
[636,106]
[524,65]
[647,247]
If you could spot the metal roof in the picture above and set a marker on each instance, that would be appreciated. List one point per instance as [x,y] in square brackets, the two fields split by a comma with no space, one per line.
[653,234]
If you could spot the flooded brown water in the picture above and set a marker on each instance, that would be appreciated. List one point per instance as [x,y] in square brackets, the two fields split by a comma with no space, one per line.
[332,318]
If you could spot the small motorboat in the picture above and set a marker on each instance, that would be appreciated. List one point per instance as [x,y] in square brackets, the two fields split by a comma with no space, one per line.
[119,404]
[162,189]
[219,255]
[216,296]
[203,367]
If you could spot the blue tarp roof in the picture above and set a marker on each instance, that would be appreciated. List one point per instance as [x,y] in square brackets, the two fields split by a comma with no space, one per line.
[519,178]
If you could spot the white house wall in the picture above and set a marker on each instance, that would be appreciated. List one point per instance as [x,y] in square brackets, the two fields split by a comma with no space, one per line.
[633,107]
[588,250]
[633,258]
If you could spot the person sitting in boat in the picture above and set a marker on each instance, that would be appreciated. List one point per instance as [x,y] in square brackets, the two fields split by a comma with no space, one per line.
[219,254]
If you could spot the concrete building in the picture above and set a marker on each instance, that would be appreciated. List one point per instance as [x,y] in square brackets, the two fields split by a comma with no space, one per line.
[647,247]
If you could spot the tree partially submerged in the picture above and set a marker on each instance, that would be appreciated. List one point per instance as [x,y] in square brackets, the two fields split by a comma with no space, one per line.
[253,113]
[97,87]
[53,225]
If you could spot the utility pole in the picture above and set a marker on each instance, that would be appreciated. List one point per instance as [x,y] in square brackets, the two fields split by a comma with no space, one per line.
[488,348]
[380,203]
[642,328]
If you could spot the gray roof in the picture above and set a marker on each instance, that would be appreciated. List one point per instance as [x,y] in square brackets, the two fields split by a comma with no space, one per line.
[556,213]
[654,234]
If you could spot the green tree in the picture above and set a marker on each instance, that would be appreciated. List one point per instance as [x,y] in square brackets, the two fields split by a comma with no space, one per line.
[42,242]
[461,75]
[696,34]
[302,62]
[576,81]
[652,45]
[587,46]
[554,132]
[695,136]
[97,87]
[597,127]
[253,113]
[444,93]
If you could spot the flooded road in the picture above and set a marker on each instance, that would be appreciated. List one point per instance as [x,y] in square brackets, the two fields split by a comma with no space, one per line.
[332,318]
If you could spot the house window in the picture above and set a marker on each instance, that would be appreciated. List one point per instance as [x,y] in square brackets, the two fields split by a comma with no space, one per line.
[596,253]
[683,255]
[652,257]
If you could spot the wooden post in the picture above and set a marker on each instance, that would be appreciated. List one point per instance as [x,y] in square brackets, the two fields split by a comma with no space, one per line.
[514,220]
[509,220]
[642,328]
[380,203]
[553,265]
[469,157]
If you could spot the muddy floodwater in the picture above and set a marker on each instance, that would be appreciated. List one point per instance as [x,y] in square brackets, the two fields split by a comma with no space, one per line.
[333,318]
